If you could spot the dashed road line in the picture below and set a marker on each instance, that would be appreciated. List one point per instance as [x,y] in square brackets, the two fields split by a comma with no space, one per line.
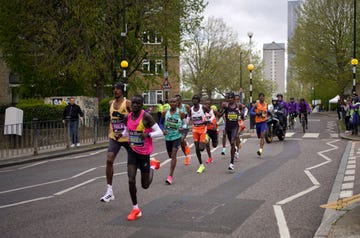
[347,187]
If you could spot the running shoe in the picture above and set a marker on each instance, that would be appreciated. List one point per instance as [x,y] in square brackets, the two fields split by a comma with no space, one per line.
[259,152]
[154,163]
[72,145]
[169,180]
[201,169]
[134,214]
[187,160]
[107,197]
[209,160]
[223,151]
[231,167]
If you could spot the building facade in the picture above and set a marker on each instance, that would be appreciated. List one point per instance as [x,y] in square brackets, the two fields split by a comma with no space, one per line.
[274,66]
[163,64]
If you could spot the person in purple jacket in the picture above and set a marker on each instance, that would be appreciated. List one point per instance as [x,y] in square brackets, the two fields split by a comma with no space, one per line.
[292,110]
[304,107]
[354,115]
[285,106]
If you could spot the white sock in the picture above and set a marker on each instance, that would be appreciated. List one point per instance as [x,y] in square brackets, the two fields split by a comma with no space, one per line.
[109,188]
[135,206]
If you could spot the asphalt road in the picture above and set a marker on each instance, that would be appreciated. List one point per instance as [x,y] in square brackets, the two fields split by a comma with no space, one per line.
[277,196]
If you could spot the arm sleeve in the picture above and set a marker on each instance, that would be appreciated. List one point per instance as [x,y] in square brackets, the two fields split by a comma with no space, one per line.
[157,132]
[252,111]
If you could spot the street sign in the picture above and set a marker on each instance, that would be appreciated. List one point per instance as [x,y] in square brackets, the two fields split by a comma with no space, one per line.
[166,84]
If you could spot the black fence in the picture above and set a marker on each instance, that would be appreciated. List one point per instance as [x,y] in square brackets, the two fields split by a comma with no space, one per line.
[32,138]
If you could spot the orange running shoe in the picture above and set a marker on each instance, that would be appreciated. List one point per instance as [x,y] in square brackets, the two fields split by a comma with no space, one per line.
[209,160]
[154,163]
[134,214]
[187,160]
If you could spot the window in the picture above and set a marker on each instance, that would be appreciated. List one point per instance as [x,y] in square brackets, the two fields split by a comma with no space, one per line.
[146,66]
[151,67]
[152,97]
[158,67]
[150,37]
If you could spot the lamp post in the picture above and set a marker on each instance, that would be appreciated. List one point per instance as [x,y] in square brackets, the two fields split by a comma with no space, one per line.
[354,61]
[313,89]
[241,79]
[250,68]
[124,64]
[250,35]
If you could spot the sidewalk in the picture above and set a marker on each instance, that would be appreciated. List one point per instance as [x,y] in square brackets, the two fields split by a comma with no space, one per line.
[344,223]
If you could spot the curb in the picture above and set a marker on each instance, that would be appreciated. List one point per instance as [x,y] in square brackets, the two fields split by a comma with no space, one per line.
[331,216]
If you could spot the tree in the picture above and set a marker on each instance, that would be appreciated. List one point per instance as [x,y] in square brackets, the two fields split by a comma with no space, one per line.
[68,47]
[322,47]
[211,61]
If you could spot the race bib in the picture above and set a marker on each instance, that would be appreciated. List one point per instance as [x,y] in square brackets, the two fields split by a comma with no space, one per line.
[198,121]
[117,125]
[171,124]
[134,139]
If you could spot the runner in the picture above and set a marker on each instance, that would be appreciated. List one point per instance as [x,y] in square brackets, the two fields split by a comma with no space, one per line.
[211,129]
[172,130]
[184,144]
[243,110]
[221,125]
[260,111]
[232,114]
[141,128]
[197,115]
[119,108]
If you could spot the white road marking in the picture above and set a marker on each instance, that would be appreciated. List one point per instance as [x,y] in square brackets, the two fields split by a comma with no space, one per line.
[279,214]
[311,135]
[24,202]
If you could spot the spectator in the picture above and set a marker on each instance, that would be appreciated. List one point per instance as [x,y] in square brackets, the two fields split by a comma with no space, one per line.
[71,114]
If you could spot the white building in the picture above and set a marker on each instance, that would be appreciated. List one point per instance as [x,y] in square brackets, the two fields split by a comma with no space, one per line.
[274,66]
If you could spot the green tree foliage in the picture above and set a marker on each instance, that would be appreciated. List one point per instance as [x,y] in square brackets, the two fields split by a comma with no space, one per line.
[322,49]
[68,47]
[211,62]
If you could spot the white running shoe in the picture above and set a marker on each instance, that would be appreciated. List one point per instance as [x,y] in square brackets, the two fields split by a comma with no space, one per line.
[107,197]
[231,167]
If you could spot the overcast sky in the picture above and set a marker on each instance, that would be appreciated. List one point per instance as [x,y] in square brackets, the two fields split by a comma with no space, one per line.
[267,19]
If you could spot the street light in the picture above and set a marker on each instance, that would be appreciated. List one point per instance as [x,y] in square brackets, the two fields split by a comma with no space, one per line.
[250,35]
[250,68]
[354,62]
[124,64]
[241,79]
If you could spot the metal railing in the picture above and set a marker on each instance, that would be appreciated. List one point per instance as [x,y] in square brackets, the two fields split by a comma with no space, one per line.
[32,138]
